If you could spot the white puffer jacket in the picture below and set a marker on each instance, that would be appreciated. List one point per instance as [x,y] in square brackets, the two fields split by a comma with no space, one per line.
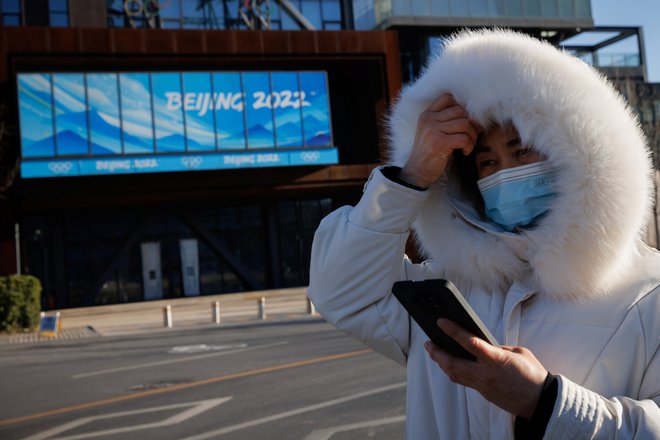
[580,290]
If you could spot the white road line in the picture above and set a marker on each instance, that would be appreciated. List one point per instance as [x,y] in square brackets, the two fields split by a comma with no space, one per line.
[294,412]
[197,408]
[325,434]
[174,361]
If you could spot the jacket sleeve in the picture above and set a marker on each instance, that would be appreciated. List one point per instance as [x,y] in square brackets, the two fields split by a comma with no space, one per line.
[581,413]
[357,254]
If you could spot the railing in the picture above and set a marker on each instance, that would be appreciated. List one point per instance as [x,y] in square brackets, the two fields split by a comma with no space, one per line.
[610,59]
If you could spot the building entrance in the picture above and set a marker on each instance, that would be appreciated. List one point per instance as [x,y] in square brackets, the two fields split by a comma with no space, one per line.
[152,269]
[189,266]
[152,274]
[99,258]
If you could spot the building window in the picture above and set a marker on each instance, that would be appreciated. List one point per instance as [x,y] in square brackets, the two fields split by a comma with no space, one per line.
[58,11]
[297,221]
[115,13]
[221,14]
[10,12]
[380,10]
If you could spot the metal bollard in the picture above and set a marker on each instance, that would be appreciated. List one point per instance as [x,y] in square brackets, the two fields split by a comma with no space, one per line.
[261,303]
[311,310]
[167,316]
[215,311]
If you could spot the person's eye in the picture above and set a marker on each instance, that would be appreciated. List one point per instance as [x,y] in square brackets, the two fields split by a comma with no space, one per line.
[526,152]
[486,163]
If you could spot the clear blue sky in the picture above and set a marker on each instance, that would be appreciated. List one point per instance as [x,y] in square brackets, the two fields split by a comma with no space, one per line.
[645,13]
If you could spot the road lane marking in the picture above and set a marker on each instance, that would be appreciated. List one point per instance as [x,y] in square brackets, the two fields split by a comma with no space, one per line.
[200,348]
[294,412]
[197,408]
[173,361]
[325,434]
[237,375]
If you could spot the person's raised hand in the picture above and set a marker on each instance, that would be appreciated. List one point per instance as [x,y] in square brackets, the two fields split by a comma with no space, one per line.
[510,377]
[442,128]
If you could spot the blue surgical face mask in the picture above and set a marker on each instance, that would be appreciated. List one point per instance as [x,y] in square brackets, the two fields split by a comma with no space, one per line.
[518,197]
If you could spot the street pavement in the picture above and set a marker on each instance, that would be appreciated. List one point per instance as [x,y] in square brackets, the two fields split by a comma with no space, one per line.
[293,378]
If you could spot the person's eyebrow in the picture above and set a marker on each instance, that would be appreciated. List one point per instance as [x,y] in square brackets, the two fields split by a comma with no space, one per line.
[513,142]
[482,149]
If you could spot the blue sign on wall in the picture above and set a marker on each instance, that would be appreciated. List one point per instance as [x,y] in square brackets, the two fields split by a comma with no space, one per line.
[76,124]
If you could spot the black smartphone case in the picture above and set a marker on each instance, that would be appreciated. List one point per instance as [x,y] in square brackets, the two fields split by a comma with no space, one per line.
[429,300]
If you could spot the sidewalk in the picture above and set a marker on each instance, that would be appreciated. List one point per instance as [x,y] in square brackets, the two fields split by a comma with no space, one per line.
[147,316]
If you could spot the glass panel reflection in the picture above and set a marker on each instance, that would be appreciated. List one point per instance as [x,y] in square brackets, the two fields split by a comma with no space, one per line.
[70,114]
[137,123]
[168,112]
[198,106]
[35,106]
[103,113]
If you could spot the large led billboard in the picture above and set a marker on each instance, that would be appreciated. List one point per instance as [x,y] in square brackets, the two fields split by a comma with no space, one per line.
[75,124]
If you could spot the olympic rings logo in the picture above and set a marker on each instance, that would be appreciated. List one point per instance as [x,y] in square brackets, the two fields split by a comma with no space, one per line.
[310,156]
[192,161]
[149,8]
[60,167]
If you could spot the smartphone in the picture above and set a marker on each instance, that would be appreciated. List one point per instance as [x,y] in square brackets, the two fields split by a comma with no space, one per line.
[429,300]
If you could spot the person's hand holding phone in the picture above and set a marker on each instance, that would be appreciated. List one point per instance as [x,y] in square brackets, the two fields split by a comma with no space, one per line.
[510,377]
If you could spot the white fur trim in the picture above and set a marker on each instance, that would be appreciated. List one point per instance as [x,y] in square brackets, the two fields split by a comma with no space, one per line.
[572,115]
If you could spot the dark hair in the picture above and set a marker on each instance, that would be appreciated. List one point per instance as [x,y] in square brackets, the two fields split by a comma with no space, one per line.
[464,170]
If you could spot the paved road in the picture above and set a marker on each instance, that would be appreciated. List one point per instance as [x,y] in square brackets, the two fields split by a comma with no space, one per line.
[298,380]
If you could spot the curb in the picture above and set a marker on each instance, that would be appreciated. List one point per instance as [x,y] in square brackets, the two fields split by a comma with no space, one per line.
[284,306]
[89,332]
[62,335]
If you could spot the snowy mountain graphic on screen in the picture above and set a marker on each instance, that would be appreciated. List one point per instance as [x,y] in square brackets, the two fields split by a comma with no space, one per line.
[175,143]
[260,136]
[108,136]
[317,131]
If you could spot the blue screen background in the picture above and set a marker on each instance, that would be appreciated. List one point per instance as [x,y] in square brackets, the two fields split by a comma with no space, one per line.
[169,123]
[72,136]
[103,113]
[229,110]
[136,116]
[258,116]
[200,124]
[35,107]
[286,106]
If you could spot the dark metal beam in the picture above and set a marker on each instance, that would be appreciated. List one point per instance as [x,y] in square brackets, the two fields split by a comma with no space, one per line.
[221,250]
[274,244]
[623,33]
[621,36]
[296,15]
[118,258]
[62,299]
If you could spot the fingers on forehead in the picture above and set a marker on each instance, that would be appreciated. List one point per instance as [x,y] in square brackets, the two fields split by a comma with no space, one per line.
[453,112]
[445,100]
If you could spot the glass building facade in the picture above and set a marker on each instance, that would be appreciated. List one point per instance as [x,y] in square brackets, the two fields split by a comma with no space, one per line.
[221,14]
[13,14]
[187,14]
[10,12]
[372,13]
[86,242]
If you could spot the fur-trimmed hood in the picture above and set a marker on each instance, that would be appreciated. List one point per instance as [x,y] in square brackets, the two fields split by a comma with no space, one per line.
[571,114]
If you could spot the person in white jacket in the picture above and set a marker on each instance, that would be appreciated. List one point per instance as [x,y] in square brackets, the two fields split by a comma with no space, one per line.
[561,278]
